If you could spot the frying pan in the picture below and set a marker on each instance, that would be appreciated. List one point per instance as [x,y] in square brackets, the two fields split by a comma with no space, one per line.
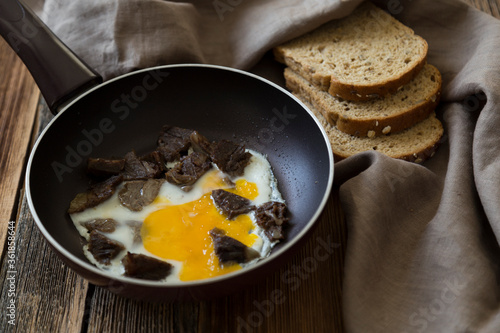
[111,118]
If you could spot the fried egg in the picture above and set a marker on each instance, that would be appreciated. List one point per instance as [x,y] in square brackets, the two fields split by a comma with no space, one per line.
[175,226]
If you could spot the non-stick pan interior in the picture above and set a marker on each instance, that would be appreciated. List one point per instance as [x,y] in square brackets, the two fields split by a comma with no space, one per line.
[128,113]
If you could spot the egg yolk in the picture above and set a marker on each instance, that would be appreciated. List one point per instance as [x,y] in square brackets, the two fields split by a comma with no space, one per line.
[181,232]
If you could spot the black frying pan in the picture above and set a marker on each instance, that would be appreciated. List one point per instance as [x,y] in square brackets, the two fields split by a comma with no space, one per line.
[110,119]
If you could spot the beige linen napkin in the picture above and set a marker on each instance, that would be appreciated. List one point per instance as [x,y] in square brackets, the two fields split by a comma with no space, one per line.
[423,241]
[115,37]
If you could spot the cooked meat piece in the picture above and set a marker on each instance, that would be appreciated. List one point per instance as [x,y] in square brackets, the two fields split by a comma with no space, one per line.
[200,143]
[136,230]
[274,233]
[156,158]
[230,157]
[271,216]
[96,194]
[231,204]
[144,267]
[173,142]
[102,167]
[174,136]
[102,225]
[230,250]
[168,155]
[136,194]
[102,248]
[136,169]
[189,169]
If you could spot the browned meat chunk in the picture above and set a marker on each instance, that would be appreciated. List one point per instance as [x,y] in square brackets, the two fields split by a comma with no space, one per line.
[231,204]
[230,250]
[168,155]
[102,225]
[141,266]
[189,169]
[135,169]
[102,167]
[271,216]
[200,143]
[96,194]
[102,248]
[173,142]
[139,193]
[156,158]
[230,157]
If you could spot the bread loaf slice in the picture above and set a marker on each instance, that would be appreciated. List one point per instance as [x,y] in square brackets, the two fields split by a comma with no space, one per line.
[411,104]
[416,144]
[365,55]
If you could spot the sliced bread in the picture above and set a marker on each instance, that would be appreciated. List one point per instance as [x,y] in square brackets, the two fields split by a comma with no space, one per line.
[365,55]
[416,144]
[411,104]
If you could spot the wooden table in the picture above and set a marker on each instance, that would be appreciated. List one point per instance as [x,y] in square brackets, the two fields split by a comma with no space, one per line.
[51,298]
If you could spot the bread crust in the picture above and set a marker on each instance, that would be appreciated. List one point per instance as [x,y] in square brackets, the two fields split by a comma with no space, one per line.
[418,158]
[367,92]
[411,154]
[367,56]
[327,80]
[378,124]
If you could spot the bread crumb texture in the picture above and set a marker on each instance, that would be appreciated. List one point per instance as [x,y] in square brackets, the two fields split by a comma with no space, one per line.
[368,48]
[412,103]
[416,144]
[366,80]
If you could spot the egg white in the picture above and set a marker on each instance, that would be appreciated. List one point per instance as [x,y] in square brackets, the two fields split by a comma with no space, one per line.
[258,171]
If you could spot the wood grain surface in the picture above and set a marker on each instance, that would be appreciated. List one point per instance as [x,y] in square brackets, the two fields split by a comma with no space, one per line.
[18,101]
[49,297]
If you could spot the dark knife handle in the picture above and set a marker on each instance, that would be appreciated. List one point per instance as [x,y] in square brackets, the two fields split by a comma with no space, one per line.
[58,72]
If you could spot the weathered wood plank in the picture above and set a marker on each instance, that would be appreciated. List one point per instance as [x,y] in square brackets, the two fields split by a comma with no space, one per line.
[18,99]
[48,296]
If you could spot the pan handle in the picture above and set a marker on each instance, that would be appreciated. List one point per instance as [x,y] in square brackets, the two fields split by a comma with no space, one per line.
[58,72]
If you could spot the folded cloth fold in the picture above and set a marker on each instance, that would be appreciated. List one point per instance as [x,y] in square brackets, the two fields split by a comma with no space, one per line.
[423,240]
[117,36]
